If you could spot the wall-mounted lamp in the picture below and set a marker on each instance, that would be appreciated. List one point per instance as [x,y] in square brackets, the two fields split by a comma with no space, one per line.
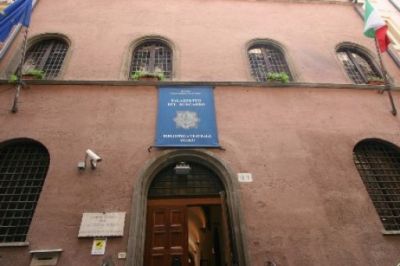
[93,158]
[182,168]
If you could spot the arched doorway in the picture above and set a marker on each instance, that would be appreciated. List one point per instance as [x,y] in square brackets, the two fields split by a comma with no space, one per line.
[185,216]
[165,199]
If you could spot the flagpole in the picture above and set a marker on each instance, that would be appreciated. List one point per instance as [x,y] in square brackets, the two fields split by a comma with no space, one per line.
[14,107]
[388,85]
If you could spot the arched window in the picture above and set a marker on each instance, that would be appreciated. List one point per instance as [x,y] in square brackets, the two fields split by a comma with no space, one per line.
[378,163]
[23,168]
[46,55]
[358,65]
[267,58]
[200,182]
[152,56]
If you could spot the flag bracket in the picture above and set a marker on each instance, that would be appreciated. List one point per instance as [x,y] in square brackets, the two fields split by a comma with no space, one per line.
[20,83]
[388,85]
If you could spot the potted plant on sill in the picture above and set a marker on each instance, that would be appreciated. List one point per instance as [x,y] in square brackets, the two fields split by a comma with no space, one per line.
[33,74]
[374,80]
[144,75]
[277,77]
[30,71]
[13,79]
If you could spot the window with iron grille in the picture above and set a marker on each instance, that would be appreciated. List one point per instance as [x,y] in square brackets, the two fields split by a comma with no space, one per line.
[152,57]
[201,181]
[23,168]
[359,67]
[267,58]
[378,163]
[47,55]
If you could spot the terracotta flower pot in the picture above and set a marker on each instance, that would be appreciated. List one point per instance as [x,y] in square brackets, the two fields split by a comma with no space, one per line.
[148,78]
[28,77]
[376,82]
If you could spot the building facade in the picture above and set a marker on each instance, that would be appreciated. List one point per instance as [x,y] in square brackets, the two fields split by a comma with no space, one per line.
[320,152]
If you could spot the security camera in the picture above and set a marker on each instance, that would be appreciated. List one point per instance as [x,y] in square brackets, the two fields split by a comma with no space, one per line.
[94,158]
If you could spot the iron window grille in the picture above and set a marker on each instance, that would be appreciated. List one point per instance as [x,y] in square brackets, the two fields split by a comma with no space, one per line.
[359,67]
[152,57]
[199,182]
[23,168]
[48,56]
[267,58]
[379,166]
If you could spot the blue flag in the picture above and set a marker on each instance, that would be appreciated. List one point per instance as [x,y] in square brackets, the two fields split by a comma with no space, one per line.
[16,13]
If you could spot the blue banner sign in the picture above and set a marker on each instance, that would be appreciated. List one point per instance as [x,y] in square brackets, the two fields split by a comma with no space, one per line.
[186,117]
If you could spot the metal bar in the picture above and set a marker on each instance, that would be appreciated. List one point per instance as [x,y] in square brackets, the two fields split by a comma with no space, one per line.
[388,85]
[14,107]
[48,50]
[152,60]
[356,65]
[266,61]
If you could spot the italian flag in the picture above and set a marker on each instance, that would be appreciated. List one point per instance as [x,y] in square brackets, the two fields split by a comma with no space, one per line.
[375,27]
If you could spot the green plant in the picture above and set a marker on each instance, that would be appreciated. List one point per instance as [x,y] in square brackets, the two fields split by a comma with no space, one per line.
[12,78]
[136,75]
[37,73]
[278,76]
[375,78]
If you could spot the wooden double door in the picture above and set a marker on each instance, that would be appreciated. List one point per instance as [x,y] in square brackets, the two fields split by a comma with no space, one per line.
[167,230]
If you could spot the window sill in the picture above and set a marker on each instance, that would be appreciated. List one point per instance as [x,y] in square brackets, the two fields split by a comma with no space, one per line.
[388,233]
[15,244]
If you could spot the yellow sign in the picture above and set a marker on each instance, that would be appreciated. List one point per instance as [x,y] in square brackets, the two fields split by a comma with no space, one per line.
[99,246]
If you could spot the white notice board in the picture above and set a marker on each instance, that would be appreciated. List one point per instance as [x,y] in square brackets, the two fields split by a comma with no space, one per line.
[99,224]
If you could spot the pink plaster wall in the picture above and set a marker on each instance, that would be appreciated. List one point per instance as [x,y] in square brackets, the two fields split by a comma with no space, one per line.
[306,206]
[209,37]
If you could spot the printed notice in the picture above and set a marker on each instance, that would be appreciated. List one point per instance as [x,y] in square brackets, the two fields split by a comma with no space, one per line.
[102,224]
[99,246]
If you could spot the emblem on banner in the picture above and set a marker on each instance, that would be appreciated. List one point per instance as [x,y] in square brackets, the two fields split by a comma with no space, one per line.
[186,119]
